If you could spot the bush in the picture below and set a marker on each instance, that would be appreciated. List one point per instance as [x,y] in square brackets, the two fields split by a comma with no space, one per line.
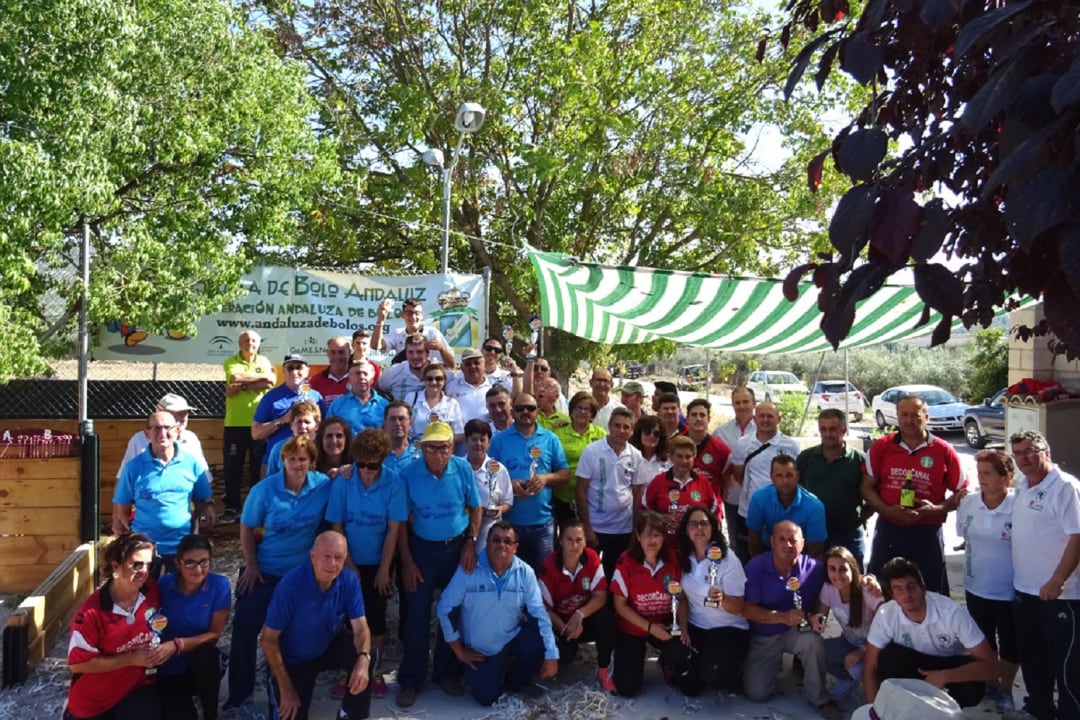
[791,407]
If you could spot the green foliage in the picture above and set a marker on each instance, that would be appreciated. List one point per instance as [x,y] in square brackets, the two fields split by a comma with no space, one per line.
[791,407]
[622,132]
[988,361]
[168,127]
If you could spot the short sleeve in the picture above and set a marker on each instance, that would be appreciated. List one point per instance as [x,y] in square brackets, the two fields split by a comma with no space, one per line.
[254,513]
[881,628]
[220,593]
[335,508]
[734,582]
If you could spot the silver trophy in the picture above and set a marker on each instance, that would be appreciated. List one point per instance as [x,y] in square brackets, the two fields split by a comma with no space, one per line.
[715,555]
[793,585]
[492,509]
[157,623]
[674,588]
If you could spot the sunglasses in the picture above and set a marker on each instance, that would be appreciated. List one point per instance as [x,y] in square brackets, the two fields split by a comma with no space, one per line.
[509,542]
[542,368]
[192,564]
[438,379]
[437,448]
[138,565]
[368,465]
[697,524]
[653,433]
[524,408]
[492,349]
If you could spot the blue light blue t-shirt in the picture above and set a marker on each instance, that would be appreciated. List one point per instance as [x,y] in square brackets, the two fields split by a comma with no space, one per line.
[308,617]
[515,451]
[438,505]
[360,415]
[190,615]
[290,521]
[366,512]
[275,404]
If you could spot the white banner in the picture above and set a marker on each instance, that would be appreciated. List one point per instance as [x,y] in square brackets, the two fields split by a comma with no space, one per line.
[298,310]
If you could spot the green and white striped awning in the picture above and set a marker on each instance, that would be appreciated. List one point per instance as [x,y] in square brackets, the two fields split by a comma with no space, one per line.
[620,305]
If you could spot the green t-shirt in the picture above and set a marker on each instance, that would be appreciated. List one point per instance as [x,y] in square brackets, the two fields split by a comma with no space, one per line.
[573,444]
[836,484]
[240,408]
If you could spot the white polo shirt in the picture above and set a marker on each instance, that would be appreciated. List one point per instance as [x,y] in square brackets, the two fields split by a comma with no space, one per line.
[1043,518]
[758,473]
[611,480]
[471,398]
[988,565]
[730,578]
[947,630]
[730,433]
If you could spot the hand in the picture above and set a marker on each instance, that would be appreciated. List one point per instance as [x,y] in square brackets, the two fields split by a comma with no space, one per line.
[384,309]
[1051,590]
[248,578]
[209,515]
[793,617]
[159,655]
[934,677]
[358,678]
[535,485]
[869,582]
[410,576]
[288,703]
[468,556]
[660,632]
[573,626]
[382,581]
[433,345]
[716,594]
[469,657]
[685,638]
[345,472]
[818,621]
[900,516]
[853,658]
[143,657]
[519,488]
[549,669]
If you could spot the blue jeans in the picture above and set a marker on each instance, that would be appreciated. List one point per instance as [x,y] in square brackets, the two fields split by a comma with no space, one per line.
[836,649]
[487,680]
[854,541]
[248,618]
[535,543]
[437,563]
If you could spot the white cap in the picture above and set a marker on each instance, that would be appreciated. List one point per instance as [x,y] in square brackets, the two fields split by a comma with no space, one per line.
[909,699]
[174,403]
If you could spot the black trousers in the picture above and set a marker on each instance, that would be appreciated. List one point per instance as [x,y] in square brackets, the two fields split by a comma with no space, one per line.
[716,662]
[630,661]
[202,679]
[240,450]
[598,628]
[1047,633]
[140,704]
[341,655]
[897,661]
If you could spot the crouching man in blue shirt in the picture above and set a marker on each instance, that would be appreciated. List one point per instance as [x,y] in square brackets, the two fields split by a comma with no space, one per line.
[304,633]
[501,617]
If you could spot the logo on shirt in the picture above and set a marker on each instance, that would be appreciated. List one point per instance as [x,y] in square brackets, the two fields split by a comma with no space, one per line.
[535,452]
[695,496]
[926,461]
[944,642]
[1006,531]
[586,583]
[707,458]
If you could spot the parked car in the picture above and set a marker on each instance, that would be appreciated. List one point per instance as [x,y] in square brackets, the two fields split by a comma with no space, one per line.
[691,377]
[769,385]
[946,410]
[838,395]
[986,423]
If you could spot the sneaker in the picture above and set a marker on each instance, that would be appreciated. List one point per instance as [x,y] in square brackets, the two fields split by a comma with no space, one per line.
[378,686]
[603,676]
[340,686]
[830,710]
[452,686]
[229,516]
[1005,703]
[406,697]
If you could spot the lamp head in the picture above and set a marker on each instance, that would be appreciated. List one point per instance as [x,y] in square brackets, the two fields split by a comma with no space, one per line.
[433,157]
[470,117]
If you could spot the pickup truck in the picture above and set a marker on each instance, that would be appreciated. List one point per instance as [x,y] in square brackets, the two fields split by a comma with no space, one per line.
[985,423]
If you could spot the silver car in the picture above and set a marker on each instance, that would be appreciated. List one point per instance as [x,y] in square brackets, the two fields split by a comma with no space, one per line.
[946,410]
[838,395]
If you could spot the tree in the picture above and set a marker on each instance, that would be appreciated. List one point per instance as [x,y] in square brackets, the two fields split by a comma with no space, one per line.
[981,104]
[168,127]
[619,131]
[988,363]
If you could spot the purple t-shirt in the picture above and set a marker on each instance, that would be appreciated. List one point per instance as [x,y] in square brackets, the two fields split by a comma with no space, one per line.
[766,587]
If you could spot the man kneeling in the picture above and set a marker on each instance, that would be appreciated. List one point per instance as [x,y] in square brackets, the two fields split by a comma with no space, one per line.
[500,615]
[924,635]
[304,633]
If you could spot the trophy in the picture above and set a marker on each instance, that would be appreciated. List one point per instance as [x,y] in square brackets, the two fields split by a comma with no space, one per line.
[793,585]
[673,511]
[535,453]
[157,623]
[508,338]
[674,588]
[715,555]
[535,326]
[492,509]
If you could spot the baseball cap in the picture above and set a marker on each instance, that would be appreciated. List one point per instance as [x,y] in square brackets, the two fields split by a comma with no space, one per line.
[174,403]
[294,358]
[633,388]
[470,353]
[437,432]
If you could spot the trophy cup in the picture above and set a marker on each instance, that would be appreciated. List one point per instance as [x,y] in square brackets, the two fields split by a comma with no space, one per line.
[793,585]
[535,453]
[714,554]
[508,338]
[674,588]
[157,624]
[492,509]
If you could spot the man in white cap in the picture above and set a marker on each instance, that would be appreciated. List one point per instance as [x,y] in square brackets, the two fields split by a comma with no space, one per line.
[178,407]
[470,386]
[909,699]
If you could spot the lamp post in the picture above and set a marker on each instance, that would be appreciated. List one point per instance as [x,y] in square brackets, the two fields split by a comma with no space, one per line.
[470,117]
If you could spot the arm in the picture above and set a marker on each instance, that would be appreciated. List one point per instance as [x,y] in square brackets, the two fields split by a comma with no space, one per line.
[581,493]
[445,351]
[410,574]
[251,573]
[263,430]
[358,677]
[893,513]
[289,701]
[630,615]
[468,549]
[983,667]
[382,576]
[107,663]
[120,515]
[248,381]
[870,682]
[637,494]
[340,527]
[753,540]
[383,312]
[212,634]
[734,604]
[761,614]
[573,627]
[1069,560]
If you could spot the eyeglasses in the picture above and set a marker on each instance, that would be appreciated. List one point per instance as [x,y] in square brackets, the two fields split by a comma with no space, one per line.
[192,564]
[509,542]
[581,408]
[138,565]
[1027,453]
[524,408]
[492,349]
[438,379]
[166,428]
[698,524]
[542,368]
[437,448]
[368,465]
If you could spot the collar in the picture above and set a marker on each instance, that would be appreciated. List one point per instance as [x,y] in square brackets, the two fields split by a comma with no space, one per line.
[927,442]
[335,378]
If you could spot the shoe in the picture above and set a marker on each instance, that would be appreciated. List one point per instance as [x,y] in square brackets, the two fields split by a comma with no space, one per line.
[228,517]
[340,686]
[406,697]
[603,676]
[378,686]
[532,691]
[1005,703]
[452,686]
[830,710]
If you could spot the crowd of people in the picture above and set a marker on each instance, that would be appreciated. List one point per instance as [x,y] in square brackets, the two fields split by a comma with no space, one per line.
[542,524]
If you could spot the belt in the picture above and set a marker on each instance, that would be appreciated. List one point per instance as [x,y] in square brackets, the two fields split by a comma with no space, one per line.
[447,541]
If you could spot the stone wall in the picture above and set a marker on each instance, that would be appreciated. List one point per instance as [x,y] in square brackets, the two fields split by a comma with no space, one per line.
[1033,359]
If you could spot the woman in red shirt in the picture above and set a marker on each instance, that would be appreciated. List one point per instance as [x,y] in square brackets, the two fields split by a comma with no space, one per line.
[646,578]
[111,653]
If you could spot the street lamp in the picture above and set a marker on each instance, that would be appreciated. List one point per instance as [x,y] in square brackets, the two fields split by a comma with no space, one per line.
[470,116]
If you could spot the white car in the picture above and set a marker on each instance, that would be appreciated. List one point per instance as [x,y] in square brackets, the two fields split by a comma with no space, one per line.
[946,410]
[769,385]
[838,395]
